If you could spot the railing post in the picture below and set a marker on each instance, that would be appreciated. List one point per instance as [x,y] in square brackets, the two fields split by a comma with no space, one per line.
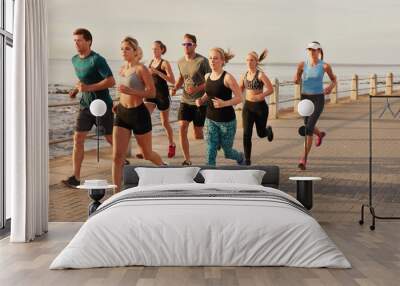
[297,96]
[354,87]
[274,100]
[372,85]
[334,94]
[389,84]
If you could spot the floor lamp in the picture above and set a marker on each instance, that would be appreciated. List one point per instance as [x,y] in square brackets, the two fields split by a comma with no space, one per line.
[98,108]
[96,188]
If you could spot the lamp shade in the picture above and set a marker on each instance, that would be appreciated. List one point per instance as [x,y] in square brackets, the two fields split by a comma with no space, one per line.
[98,107]
[305,107]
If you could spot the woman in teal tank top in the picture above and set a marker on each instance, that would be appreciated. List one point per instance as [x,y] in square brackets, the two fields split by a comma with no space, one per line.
[311,74]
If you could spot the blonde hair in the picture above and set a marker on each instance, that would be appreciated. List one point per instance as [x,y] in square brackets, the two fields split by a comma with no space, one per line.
[225,55]
[260,58]
[134,44]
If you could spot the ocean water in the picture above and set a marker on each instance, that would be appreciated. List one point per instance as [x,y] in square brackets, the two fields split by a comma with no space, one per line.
[62,78]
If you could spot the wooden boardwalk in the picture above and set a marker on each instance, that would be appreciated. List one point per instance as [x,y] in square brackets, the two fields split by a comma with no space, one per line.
[341,162]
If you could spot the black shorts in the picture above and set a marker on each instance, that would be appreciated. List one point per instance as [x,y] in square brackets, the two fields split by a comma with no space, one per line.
[193,113]
[162,102]
[137,119]
[319,103]
[86,120]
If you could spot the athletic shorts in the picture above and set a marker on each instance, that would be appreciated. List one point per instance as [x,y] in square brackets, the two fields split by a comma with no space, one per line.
[193,113]
[86,120]
[137,119]
[162,102]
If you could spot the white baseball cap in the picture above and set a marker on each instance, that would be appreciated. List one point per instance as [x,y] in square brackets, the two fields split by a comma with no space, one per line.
[314,46]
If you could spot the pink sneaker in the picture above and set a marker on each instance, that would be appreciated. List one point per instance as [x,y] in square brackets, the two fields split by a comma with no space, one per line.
[318,142]
[302,164]
[171,151]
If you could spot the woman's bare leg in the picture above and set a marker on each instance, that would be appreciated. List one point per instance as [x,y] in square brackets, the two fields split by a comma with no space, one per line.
[121,138]
[307,149]
[167,126]
[317,131]
[145,144]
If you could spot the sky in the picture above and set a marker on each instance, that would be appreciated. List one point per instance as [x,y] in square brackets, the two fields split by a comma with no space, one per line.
[351,32]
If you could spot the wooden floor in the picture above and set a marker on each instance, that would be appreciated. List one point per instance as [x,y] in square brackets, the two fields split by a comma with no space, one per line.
[341,162]
[375,257]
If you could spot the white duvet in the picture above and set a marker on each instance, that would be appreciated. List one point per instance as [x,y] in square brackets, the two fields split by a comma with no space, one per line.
[200,231]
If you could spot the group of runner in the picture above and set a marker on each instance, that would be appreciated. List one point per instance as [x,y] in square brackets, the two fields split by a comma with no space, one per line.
[208,99]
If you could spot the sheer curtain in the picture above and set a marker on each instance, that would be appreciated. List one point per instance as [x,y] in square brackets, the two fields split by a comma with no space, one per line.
[27,124]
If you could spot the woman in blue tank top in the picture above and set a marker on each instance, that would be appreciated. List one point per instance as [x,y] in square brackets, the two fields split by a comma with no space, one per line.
[311,73]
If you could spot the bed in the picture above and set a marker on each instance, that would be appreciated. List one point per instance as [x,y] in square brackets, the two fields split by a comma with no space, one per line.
[201,224]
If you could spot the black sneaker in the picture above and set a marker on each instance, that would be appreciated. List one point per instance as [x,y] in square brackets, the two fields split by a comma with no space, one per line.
[126,162]
[241,160]
[71,182]
[248,162]
[270,133]
[186,163]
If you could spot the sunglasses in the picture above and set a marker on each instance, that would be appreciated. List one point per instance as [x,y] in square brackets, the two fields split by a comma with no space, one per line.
[187,44]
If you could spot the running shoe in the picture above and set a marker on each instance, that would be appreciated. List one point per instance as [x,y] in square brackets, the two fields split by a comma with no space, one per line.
[171,151]
[318,142]
[186,163]
[241,160]
[270,133]
[71,182]
[302,164]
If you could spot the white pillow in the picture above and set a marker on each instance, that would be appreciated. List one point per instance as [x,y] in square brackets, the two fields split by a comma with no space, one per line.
[166,176]
[248,177]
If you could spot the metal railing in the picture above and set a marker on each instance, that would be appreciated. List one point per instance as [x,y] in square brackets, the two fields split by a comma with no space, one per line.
[357,86]
[275,101]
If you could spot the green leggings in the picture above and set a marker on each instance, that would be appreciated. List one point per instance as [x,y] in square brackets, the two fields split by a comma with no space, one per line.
[221,134]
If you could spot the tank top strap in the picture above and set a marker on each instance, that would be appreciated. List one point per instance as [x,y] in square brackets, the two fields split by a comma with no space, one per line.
[160,64]
[222,77]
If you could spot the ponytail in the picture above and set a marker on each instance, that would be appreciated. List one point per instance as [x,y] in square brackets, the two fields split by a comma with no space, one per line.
[260,58]
[263,55]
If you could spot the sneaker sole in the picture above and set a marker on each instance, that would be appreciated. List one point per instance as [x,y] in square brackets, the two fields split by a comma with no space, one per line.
[69,185]
[270,137]
[301,166]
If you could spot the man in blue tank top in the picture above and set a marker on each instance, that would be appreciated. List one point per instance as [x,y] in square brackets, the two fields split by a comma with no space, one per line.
[95,78]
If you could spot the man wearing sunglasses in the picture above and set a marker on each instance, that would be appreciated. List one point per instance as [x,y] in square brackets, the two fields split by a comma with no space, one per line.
[192,67]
